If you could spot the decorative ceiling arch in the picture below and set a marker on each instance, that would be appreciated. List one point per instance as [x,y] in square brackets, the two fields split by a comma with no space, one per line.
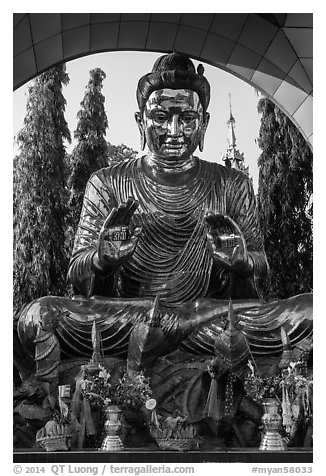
[272,52]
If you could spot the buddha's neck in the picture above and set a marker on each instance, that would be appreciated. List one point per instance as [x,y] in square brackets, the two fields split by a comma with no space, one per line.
[170,172]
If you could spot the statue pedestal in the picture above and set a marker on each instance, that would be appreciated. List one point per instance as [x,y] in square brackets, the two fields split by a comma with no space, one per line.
[147,456]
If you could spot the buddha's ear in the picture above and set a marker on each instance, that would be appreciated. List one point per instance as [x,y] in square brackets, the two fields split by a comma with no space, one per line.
[140,124]
[207,117]
[203,131]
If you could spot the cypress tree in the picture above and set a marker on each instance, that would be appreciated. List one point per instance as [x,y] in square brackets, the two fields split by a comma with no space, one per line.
[285,202]
[90,152]
[40,257]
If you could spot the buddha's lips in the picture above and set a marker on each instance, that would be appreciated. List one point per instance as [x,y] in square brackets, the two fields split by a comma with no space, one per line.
[174,145]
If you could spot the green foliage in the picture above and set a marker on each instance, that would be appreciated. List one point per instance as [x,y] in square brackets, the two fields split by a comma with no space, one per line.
[133,391]
[96,387]
[40,257]
[284,202]
[90,152]
[119,153]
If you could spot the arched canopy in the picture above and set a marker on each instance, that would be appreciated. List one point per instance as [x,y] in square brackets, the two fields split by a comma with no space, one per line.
[272,52]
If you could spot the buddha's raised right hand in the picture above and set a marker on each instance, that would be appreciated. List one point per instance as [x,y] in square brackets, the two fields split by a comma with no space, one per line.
[117,238]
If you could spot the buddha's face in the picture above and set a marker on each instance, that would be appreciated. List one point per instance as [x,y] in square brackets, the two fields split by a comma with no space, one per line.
[173,123]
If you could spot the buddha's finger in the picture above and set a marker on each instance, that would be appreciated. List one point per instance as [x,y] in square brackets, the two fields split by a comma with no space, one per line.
[125,211]
[222,259]
[131,207]
[103,234]
[211,241]
[239,256]
[236,254]
[121,214]
[111,218]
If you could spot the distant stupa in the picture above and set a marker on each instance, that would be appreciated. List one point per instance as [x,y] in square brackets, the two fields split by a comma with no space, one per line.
[233,157]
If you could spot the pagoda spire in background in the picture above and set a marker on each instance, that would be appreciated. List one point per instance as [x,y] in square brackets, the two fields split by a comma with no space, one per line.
[232,139]
[233,158]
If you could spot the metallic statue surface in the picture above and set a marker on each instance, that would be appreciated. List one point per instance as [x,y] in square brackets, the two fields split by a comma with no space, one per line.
[194,326]
[166,224]
[173,255]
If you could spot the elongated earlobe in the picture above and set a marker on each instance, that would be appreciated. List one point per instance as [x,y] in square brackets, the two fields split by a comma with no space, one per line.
[141,130]
[142,140]
[201,142]
[203,132]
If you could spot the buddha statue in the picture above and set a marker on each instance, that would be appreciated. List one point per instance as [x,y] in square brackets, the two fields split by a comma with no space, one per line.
[169,230]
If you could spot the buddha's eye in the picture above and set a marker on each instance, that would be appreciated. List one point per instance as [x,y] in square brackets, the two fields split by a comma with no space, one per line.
[159,116]
[189,116]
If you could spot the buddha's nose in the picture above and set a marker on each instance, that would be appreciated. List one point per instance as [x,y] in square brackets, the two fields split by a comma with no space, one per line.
[174,126]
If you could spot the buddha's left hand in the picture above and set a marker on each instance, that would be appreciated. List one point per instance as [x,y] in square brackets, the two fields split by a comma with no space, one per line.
[234,257]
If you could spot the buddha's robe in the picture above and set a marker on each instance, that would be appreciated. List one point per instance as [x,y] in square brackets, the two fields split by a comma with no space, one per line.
[173,259]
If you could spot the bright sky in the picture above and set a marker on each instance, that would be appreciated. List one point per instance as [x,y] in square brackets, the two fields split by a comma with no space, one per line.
[123,70]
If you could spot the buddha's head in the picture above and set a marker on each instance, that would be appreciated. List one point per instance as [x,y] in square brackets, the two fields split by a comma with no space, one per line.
[173,101]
